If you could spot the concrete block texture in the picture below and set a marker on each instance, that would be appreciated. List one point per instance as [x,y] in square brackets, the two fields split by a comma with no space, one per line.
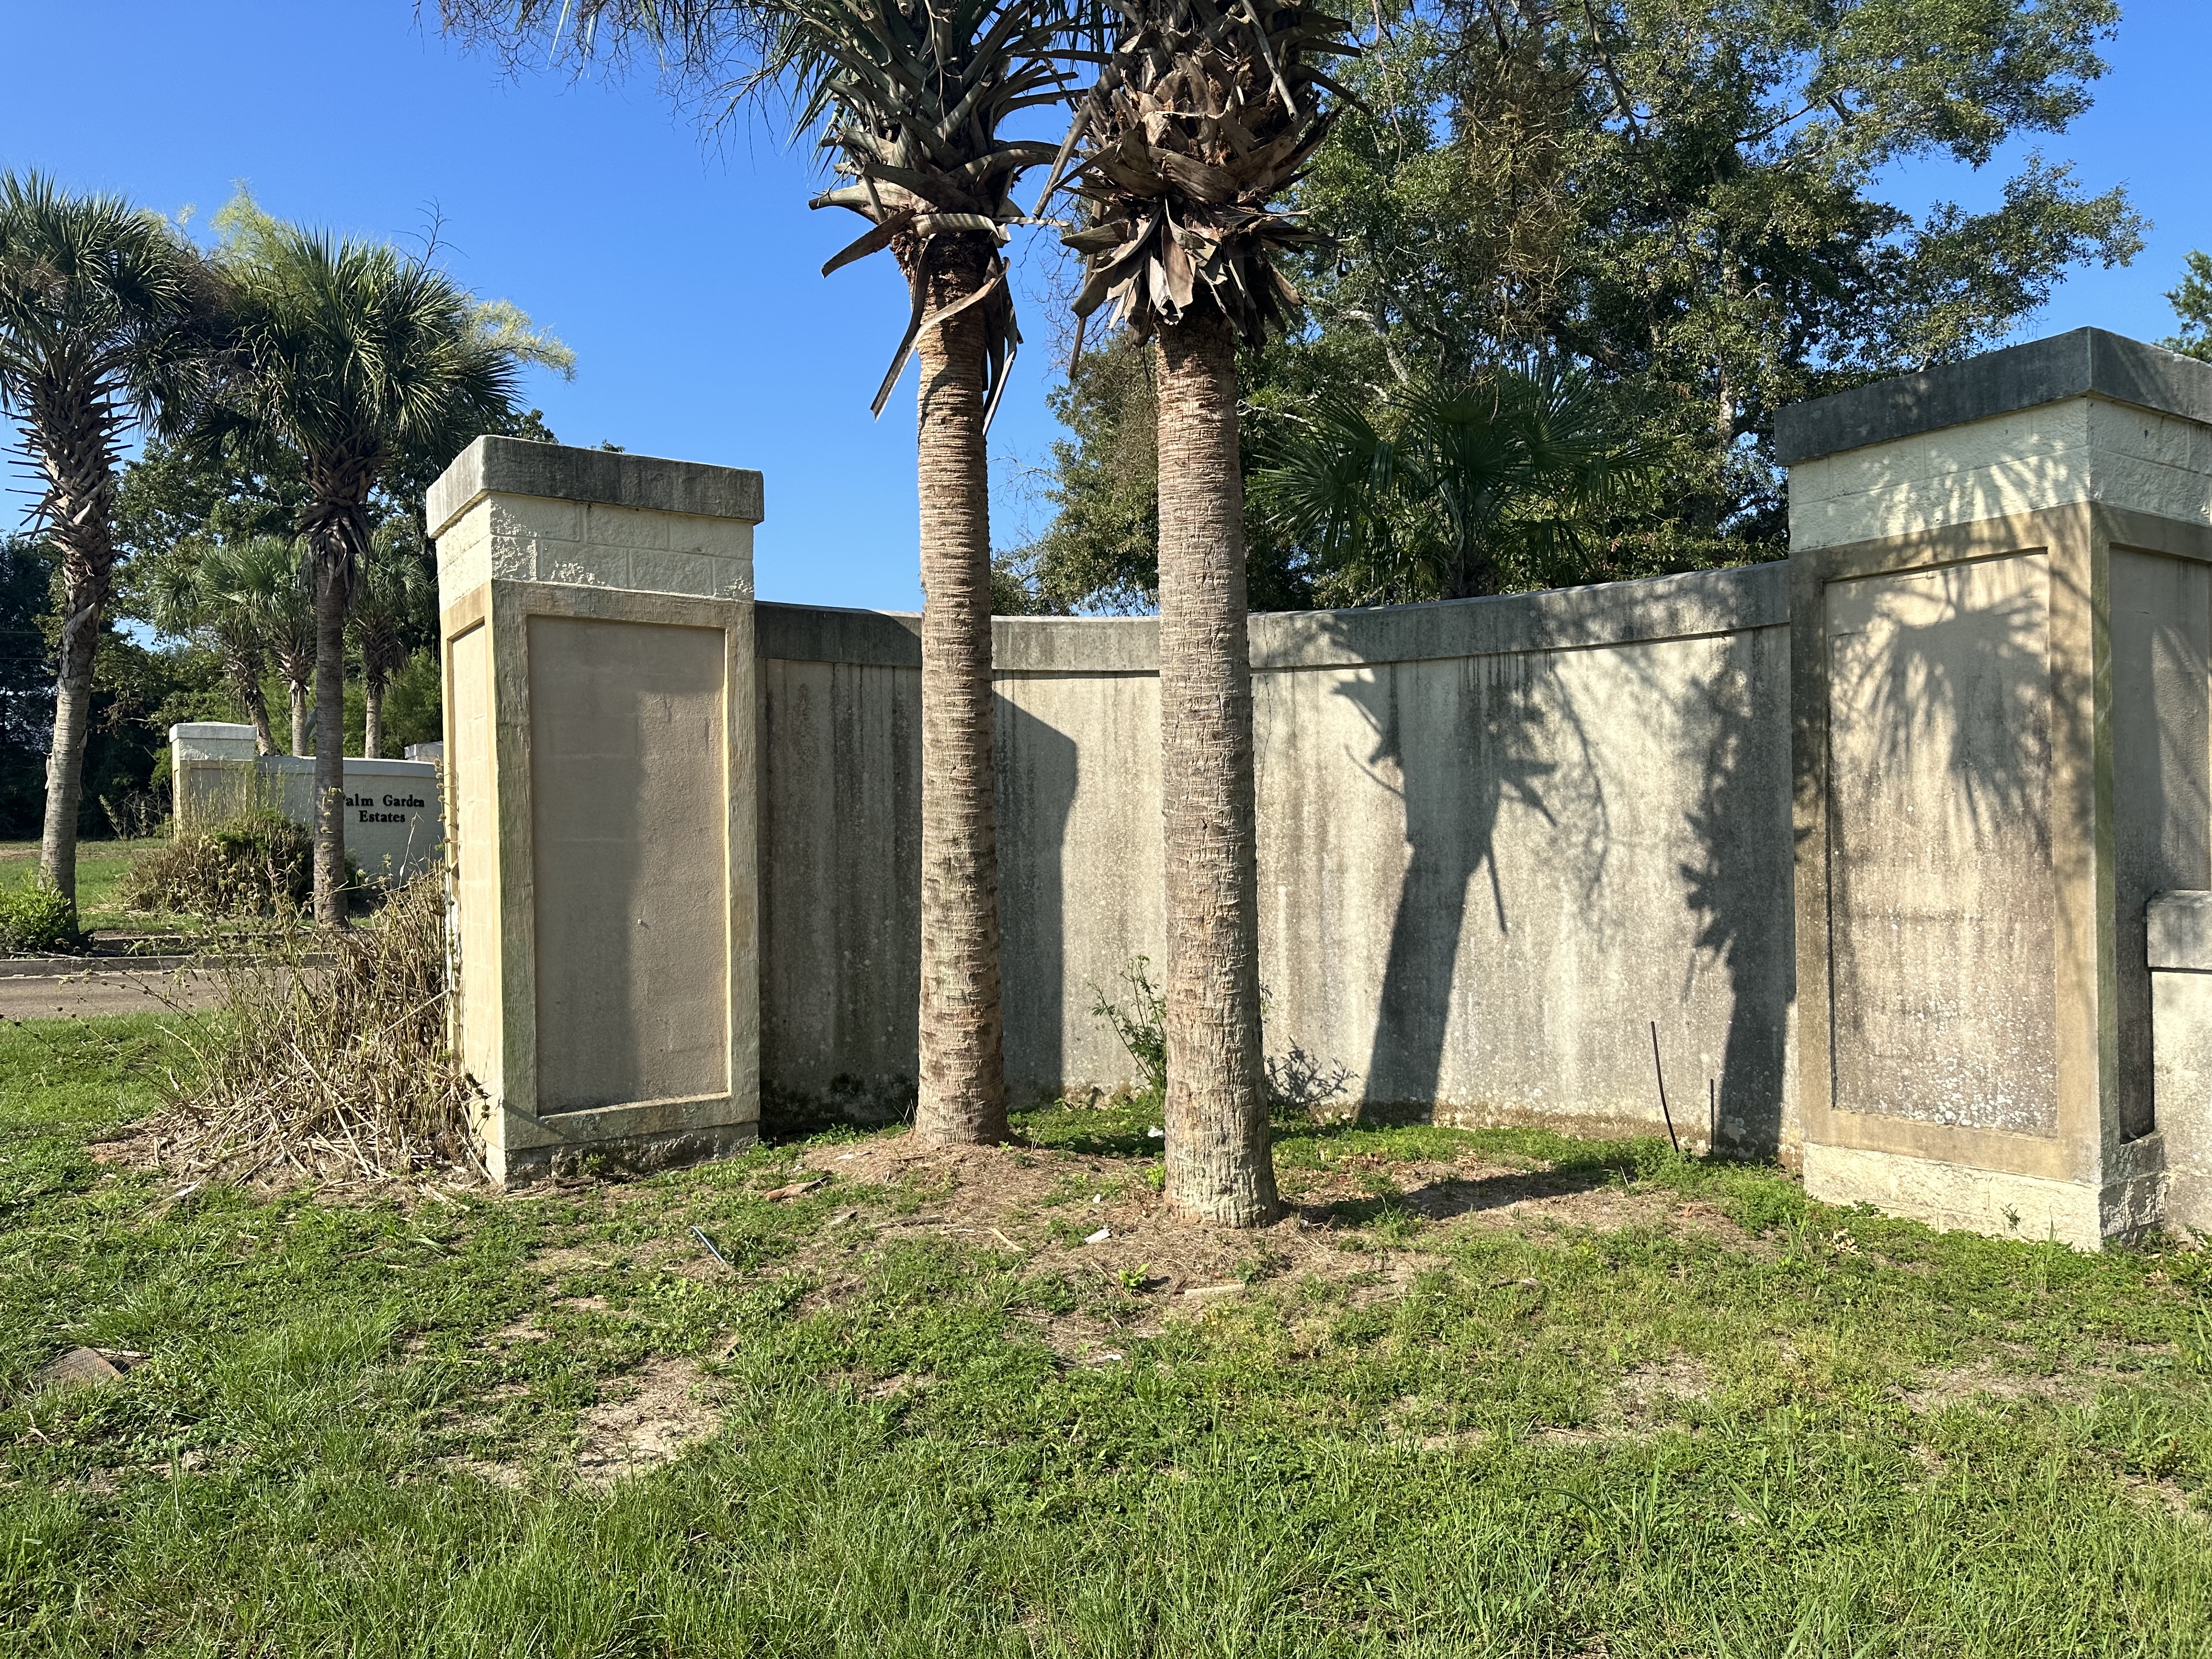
[2087,363]
[1499,838]
[560,473]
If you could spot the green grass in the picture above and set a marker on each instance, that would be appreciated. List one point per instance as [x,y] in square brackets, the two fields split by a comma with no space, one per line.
[101,867]
[338,1446]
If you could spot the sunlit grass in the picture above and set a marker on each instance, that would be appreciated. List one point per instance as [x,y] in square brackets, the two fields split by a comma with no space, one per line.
[1746,1425]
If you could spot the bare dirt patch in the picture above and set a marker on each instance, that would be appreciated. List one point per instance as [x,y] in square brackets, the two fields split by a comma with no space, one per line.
[1096,1221]
[643,1419]
[1982,1381]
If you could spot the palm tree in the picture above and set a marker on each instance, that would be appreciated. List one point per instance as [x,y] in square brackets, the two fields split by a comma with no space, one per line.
[911,96]
[1200,117]
[103,309]
[214,594]
[353,353]
[1448,491]
[396,592]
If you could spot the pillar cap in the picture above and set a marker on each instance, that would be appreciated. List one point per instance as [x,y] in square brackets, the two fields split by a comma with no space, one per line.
[560,473]
[2088,362]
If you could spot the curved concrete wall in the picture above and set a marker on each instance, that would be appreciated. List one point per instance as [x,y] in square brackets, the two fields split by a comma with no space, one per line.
[1498,838]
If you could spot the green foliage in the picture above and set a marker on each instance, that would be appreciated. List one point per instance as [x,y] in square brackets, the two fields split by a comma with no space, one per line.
[1142,1026]
[1444,492]
[2192,304]
[415,703]
[1685,199]
[36,918]
[1656,1435]
[260,865]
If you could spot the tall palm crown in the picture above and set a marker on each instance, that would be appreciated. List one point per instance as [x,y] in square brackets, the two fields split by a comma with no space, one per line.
[1202,116]
[356,357]
[103,315]
[912,97]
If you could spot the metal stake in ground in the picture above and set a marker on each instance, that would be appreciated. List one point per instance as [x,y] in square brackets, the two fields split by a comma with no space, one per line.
[1662,1072]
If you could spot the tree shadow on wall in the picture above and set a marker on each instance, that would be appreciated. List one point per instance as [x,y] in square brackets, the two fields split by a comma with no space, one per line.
[1038,770]
[1937,752]
[1740,887]
[1457,774]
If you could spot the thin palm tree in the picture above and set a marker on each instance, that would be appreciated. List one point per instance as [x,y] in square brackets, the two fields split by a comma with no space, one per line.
[392,599]
[211,593]
[911,96]
[104,311]
[1202,116]
[353,353]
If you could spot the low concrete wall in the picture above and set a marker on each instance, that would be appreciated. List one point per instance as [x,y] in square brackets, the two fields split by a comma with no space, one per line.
[394,822]
[1499,838]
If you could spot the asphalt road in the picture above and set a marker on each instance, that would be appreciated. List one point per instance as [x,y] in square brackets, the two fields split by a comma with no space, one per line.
[96,992]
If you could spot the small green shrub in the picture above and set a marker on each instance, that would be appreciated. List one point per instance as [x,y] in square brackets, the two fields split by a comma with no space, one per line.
[260,865]
[1142,1026]
[36,918]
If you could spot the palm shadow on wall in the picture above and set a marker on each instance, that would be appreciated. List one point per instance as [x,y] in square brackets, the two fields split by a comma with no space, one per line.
[1456,785]
[1941,715]
[1739,889]
[1038,767]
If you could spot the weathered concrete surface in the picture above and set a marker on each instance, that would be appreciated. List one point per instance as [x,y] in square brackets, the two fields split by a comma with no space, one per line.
[2001,631]
[2179,960]
[2088,363]
[600,724]
[395,824]
[1500,837]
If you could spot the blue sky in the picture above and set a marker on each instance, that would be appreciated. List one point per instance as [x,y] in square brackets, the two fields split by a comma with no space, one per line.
[683,274]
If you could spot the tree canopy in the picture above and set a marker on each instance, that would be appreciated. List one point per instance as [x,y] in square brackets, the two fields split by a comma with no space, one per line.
[1689,201]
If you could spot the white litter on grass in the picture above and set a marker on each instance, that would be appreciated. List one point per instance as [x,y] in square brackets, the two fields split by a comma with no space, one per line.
[1157,1133]
[1100,1237]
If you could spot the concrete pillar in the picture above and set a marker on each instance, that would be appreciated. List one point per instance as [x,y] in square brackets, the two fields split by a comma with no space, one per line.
[597,628]
[2001,580]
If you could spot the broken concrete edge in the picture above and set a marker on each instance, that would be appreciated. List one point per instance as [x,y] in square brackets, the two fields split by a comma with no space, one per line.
[519,466]
[1690,605]
[2088,363]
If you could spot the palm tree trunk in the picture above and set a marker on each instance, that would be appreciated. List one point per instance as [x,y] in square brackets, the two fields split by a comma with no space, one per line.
[329,740]
[962,1093]
[256,710]
[372,712]
[80,639]
[1219,1168]
[299,694]
[76,447]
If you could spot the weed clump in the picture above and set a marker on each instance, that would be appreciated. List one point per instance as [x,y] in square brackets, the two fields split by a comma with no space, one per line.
[328,1056]
[36,917]
[260,865]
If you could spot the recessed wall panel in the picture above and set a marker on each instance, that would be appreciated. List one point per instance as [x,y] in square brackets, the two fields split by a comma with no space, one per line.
[1942,971]
[630,817]
[2161,655]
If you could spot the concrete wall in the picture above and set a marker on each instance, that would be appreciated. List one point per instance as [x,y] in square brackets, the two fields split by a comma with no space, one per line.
[1499,839]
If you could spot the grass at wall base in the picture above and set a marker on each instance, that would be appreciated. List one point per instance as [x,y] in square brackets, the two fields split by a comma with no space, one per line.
[1483,1392]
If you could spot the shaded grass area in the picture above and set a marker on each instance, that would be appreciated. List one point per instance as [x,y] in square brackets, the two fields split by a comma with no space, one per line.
[1800,1431]
[102,866]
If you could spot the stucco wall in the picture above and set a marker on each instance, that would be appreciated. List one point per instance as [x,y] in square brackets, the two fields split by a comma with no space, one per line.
[1499,839]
